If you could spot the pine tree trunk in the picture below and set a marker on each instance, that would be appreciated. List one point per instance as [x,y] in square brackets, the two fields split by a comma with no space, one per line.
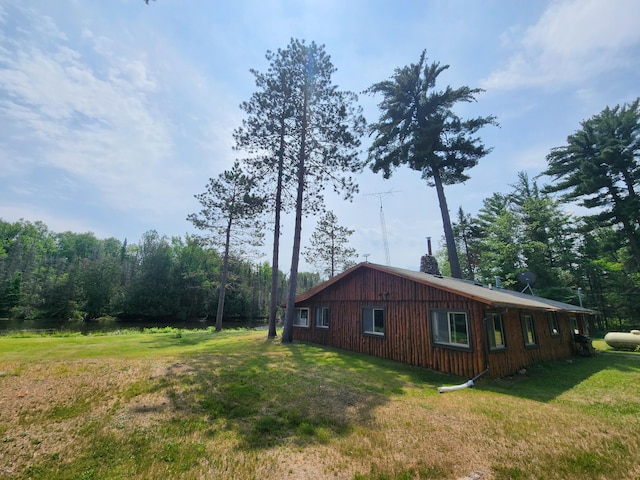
[223,279]
[452,252]
[287,333]
[273,301]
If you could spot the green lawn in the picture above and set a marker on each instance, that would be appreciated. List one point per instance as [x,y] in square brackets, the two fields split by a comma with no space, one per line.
[186,404]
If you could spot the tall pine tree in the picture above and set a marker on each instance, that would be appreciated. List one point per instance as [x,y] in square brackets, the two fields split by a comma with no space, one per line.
[418,128]
[230,213]
[600,167]
[301,133]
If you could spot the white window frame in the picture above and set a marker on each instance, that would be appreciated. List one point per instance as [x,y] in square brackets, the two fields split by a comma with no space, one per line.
[554,324]
[573,322]
[528,330]
[493,334]
[444,329]
[301,318]
[369,317]
[322,317]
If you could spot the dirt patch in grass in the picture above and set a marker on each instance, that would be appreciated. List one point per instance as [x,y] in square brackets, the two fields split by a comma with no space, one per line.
[265,413]
[45,408]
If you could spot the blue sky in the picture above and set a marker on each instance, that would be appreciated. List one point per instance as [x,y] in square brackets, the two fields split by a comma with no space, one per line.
[114,114]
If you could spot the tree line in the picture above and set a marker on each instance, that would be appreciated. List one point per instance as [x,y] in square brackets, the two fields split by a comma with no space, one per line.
[524,240]
[77,276]
[591,259]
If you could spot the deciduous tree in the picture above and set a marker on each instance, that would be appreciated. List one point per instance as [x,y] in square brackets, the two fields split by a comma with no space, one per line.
[152,289]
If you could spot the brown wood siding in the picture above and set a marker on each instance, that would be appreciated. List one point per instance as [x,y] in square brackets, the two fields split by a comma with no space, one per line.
[407,339]
[517,355]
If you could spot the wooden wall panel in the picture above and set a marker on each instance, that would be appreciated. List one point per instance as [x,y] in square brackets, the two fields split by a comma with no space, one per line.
[408,337]
[518,356]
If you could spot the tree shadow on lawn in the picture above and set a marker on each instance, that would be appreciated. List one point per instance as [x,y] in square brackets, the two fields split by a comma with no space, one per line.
[547,381]
[298,393]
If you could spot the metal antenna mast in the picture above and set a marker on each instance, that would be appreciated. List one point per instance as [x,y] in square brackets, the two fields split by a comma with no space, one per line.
[383,225]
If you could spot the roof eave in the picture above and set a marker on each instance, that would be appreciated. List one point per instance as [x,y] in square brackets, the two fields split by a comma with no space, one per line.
[491,303]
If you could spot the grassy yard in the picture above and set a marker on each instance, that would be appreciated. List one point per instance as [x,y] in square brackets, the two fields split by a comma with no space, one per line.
[233,405]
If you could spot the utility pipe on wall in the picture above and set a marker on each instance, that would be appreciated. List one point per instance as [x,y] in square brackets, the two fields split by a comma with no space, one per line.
[470,383]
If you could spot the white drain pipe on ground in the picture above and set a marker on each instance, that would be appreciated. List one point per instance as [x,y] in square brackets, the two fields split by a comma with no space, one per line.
[468,384]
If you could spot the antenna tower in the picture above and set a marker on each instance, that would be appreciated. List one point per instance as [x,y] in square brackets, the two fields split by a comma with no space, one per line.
[383,225]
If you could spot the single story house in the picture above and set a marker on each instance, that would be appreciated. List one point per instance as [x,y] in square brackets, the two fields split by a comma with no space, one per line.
[441,323]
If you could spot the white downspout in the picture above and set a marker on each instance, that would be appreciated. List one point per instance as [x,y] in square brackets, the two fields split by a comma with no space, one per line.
[468,384]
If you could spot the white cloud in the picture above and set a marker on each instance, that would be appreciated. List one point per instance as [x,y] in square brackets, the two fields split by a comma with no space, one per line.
[100,129]
[572,40]
[41,26]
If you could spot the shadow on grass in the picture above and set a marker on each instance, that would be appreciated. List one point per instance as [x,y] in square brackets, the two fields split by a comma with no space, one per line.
[547,381]
[269,393]
[177,338]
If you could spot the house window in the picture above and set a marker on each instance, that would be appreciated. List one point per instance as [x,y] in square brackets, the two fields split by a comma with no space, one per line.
[554,326]
[302,317]
[373,321]
[322,317]
[495,332]
[574,325]
[450,328]
[528,330]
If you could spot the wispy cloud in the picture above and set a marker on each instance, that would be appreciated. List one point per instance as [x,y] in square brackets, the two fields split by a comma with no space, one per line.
[97,124]
[572,40]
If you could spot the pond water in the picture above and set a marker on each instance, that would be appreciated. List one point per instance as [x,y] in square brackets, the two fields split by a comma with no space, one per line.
[51,325]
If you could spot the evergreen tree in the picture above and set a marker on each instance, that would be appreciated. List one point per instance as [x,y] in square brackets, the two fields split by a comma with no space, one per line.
[500,241]
[329,251]
[230,212]
[327,126]
[418,127]
[267,135]
[600,167]
[611,278]
[466,232]
[546,238]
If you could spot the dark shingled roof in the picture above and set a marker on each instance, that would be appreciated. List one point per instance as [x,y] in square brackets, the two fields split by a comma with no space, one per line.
[492,297]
